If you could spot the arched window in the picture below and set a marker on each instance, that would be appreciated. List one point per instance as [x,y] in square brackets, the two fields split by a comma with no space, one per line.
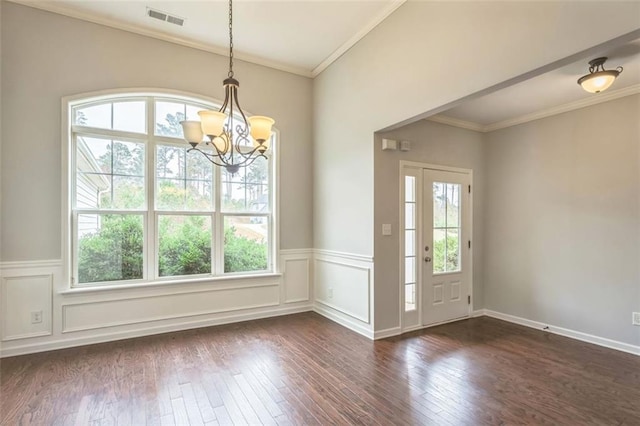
[143,209]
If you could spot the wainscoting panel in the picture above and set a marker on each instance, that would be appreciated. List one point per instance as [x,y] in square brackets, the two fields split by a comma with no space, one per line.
[342,289]
[73,317]
[94,315]
[296,278]
[26,295]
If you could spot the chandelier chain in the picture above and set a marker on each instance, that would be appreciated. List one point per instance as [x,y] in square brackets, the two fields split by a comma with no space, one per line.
[230,74]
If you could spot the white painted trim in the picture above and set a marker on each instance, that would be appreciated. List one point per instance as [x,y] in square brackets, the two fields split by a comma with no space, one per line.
[296,252]
[577,335]
[436,167]
[67,329]
[55,7]
[148,331]
[368,270]
[369,26]
[47,319]
[343,321]
[456,122]
[389,332]
[477,313]
[30,264]
[307,258]
[560,109]
[343,255]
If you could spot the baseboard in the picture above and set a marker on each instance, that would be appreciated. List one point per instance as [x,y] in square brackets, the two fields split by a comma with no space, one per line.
[477,313]
[343,320]
[51,345]
[578,335]
[389,332]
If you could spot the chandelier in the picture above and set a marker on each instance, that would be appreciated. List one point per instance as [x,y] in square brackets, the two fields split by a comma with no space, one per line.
[598,79]
[235,140]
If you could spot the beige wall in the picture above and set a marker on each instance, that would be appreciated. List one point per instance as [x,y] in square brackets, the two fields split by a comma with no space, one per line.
[425,55]
[47,56]
[431,143]
[562,220]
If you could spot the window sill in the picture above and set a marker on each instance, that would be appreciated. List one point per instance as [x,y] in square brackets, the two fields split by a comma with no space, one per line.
[167,283]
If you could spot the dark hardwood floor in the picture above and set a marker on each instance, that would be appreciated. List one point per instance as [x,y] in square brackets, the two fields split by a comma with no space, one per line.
[304,369]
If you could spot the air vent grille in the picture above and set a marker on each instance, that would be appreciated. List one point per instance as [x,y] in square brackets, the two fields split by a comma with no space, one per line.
[163,16]
[175,20]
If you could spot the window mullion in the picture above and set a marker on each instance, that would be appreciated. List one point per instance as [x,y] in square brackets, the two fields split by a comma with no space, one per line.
[218,230]
[151,230]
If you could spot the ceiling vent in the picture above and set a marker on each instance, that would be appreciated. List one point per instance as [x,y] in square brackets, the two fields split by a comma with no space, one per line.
[163,16]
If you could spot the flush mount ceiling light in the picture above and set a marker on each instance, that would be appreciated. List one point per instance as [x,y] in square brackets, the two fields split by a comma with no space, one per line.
[236,141]
[598,79]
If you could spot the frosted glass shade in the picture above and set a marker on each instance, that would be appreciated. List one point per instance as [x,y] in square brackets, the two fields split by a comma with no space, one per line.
[192,131]
[598,81]
[260,127]
[212,122]
[222,143]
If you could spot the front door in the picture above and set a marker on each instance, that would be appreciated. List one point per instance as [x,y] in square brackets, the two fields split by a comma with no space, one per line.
[446,245]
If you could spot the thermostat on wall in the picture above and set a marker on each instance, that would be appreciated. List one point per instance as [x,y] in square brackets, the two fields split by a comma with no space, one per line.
[389,145]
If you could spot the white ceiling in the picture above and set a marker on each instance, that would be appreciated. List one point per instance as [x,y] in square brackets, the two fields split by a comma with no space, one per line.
[547,92]
[300,36]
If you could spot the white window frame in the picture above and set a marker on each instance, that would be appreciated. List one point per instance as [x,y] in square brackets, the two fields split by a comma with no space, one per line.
[150,213]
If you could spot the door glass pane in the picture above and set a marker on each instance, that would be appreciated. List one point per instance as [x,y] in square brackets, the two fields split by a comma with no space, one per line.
[409,270]
[453,205]
[245,243]
[410,243]
[410,267]
[446,227]
[409,188]
[184,245]
[453,251]
[110,247]
[409,297]
[439,204]
[410,216]
[439,250]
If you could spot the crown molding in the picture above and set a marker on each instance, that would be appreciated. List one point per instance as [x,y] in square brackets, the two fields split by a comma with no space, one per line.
[560,109]
[54,7]
[582,103]
[456,122]
[357,37]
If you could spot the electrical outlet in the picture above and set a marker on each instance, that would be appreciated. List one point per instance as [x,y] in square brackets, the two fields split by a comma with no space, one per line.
[36,317]
[635,320]
[331,293]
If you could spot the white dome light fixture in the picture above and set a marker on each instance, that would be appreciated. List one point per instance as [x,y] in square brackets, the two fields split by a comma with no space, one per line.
[598,79]
[237,141]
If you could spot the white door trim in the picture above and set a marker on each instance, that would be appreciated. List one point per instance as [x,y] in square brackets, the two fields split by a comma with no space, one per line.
[413,165]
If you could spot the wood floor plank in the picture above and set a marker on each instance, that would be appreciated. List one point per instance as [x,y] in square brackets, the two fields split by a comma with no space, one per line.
[306,370]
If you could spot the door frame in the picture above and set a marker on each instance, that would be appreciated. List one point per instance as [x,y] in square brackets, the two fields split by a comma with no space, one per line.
[437,167]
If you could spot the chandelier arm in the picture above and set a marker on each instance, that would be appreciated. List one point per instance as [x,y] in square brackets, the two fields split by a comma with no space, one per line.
[219,159]
[244,117]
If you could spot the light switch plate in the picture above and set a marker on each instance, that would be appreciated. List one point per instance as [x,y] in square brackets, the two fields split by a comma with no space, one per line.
[386,229]
[635,320]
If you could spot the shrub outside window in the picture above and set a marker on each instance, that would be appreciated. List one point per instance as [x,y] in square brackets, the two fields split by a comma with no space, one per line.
[144,209]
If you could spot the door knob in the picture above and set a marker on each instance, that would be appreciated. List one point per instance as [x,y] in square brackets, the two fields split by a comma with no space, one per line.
[427,259]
